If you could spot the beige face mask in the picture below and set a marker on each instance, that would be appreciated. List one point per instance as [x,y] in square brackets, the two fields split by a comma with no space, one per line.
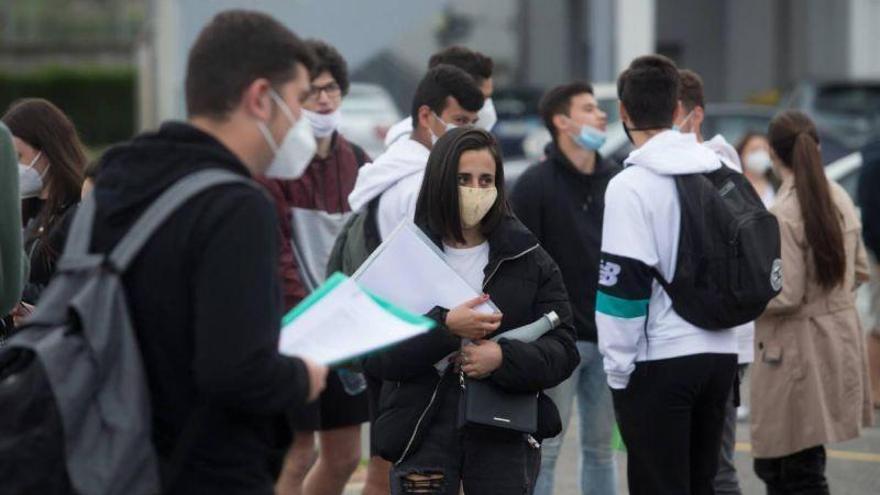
[474,203]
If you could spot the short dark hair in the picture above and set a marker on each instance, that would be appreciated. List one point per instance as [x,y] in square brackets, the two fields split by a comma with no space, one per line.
[648,90]
[328,59]
[558,101]
[441,82]
[438,205]
[236,48]
[476,64]
[690,91]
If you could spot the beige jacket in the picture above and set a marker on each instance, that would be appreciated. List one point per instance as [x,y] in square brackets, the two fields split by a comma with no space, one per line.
[809,383]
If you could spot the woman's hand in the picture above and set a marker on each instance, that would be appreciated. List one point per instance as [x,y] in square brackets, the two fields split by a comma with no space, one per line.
[20,312]
[480,359]
[468,323]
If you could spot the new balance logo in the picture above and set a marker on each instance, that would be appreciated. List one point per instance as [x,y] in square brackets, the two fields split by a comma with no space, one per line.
[608,273]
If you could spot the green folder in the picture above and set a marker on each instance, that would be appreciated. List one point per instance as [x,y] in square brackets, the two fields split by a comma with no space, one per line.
[328,286]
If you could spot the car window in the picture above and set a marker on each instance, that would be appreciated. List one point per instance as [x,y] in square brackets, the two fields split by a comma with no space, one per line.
[513,104]
[849,99]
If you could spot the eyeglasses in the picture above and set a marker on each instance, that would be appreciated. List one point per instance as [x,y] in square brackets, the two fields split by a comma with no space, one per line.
[333,91]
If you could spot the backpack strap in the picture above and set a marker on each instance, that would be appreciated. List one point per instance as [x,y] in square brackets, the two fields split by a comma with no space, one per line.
[163,207]
[80,233]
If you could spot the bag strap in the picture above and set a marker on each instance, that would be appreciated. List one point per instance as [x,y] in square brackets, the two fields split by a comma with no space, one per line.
[80,235]
[163,207]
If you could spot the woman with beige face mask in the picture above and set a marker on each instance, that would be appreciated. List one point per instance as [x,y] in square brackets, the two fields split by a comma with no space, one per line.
[463,209]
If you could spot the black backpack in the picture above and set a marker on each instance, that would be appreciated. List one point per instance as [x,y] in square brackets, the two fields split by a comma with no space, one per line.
[728,263]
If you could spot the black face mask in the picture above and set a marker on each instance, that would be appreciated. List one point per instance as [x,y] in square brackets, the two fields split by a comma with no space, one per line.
[627,130]
[628,135]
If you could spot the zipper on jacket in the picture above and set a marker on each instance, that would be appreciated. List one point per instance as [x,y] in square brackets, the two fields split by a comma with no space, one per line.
[437,387]
[503,260]
[419,423]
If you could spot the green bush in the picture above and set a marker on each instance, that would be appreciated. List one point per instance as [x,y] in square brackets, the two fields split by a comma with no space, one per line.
[99,100]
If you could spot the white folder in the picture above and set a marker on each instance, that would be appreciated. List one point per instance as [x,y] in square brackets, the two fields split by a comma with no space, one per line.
[409,270]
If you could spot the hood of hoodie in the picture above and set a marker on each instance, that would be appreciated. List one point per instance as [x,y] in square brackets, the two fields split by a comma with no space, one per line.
[674,153]
[603,168]
[725,151]
[133,174]
[402,159]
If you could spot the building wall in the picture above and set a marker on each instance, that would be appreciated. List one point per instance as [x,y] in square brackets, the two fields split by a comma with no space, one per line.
[693,33]
[546,49]
[750,46]
[864,38]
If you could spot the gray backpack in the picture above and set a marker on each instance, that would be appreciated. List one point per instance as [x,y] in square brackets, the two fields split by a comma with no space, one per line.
[76,412]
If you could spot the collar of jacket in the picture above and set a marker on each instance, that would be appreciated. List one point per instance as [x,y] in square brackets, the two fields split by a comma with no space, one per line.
[786,188]
[510,240]
[557,158]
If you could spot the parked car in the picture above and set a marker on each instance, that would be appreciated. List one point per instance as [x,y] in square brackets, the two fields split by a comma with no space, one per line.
[367,113]
[517,110]
[848,110]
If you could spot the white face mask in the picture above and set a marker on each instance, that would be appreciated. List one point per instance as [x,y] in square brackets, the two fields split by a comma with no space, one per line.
[487,117]
[758,161]
[323,124]
[474,203]
[449,127]
[297,148]
[30,182]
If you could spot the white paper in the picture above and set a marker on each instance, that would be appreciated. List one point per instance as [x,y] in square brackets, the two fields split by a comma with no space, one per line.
[344,324]
[410,271]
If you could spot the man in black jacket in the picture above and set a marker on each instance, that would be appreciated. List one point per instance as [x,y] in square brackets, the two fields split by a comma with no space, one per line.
[204,292]
[561,200]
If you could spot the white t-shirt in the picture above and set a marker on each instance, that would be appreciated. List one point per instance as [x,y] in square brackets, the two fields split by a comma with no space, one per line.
[469,263]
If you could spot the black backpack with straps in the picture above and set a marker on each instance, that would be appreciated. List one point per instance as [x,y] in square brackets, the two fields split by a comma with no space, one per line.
[728,264]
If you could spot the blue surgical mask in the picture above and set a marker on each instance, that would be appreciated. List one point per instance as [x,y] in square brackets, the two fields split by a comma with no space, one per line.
[590,138]
[677,127]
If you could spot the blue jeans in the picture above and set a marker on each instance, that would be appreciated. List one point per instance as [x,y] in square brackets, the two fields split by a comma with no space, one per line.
[598,466]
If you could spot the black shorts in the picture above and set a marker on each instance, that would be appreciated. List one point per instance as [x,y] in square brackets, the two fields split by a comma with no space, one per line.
[335,408]
[374,391]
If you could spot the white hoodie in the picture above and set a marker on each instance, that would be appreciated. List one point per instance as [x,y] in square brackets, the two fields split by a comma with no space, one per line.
[398,131]
[634,315]
[397,176]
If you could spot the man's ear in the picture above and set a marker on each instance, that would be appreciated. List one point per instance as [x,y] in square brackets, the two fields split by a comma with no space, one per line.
[560,123]
[679,113]
[255,100]
[623,115]
[699,115]
[425,116]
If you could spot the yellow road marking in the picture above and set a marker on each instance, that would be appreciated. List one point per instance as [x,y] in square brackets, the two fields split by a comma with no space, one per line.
[834,454]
